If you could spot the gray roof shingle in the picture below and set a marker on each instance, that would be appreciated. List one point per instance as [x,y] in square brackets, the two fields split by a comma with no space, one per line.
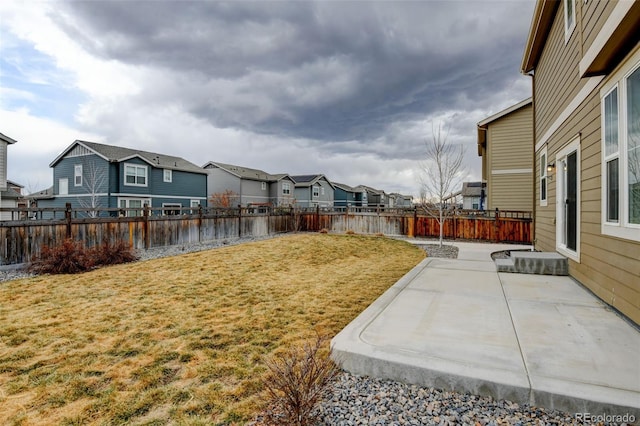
[116,153]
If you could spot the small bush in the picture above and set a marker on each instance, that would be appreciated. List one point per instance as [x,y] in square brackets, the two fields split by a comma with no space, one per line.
[71,257]
[379,234]
[296,381]
[350,232]
[112,254]
[324,231]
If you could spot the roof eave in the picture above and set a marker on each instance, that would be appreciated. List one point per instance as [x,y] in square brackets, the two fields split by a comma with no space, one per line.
[543,15]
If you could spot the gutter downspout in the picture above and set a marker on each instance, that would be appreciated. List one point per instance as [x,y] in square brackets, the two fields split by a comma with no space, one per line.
[533,149]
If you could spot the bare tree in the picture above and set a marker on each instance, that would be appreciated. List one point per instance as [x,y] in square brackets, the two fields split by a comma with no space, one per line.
[225,199]
[441,172]
[94,180]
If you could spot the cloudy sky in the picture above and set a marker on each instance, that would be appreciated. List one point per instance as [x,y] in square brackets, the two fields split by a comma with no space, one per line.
[347,89]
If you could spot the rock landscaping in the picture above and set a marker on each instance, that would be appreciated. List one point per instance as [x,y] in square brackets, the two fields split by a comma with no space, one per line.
[355,400]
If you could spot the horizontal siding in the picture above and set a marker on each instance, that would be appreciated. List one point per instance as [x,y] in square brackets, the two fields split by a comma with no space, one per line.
[510,140]
[608,266]
[594,15]
[557,80]
[511,192]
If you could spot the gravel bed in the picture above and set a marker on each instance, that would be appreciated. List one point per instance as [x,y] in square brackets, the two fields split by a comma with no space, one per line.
[446,251]
[355,400]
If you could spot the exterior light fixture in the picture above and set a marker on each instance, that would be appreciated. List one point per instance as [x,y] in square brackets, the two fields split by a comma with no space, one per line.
[551,167]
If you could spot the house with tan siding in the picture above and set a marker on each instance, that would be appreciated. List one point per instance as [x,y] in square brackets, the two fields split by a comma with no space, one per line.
[505,142]
[584,60]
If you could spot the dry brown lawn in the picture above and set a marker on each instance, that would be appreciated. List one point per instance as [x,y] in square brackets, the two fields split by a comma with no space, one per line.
[180,340]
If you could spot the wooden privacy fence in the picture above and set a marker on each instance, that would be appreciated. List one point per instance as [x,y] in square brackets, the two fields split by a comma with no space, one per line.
[21,240]
[492,226]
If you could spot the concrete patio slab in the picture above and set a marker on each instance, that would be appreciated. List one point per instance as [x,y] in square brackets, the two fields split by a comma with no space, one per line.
[536,339]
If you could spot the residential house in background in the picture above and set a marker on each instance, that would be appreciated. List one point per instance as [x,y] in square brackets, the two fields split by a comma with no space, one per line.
[343,195]
[89,175]
[398,200]
[473,195]
[313,191]
[584,58]
[237,185]
[505,142]
[9,192]
[375,197]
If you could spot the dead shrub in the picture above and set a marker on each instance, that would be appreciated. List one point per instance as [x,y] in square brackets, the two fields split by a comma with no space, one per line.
[324,231]
[296,381]
[350,232]
[71,257]
[112,254]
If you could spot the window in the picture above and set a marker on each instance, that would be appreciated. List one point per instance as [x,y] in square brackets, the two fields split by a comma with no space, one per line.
[621,153]
[316,191]
[633,144]
[63,186]
[167,175]
[135,175]
[543,177]
[77,175]
[263,186]
[322,190]
[133,203]
[195,203]
[171,209]
[569,18]
[286,188]
[611,155]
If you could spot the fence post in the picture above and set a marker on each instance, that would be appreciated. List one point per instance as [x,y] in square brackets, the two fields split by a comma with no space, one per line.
[146,212]
[67,216]
[346,217]
[455,223]
[200,213]
[496,226]
[317,218]
[239,220]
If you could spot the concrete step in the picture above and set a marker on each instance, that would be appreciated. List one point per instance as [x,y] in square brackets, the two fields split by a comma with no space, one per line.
[505,265]
[534,262]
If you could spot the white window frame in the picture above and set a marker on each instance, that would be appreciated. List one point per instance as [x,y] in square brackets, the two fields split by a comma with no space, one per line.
[167,175]
[194,203]
[569,27]
[127,205]
[623,228]
[63,183]
[263,186]
[77,175]
[561,155]
[286,188]
[315,191]
[544,175]
[136,167]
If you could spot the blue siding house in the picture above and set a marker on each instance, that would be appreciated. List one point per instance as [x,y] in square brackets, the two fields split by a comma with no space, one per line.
[343,195]
[92,175]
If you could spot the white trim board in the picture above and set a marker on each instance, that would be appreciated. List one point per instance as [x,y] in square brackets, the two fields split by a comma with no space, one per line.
[586,90]
[511,171]
[613,21]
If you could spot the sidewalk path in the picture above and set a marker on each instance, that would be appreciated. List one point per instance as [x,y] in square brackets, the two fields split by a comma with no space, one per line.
[457,324]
